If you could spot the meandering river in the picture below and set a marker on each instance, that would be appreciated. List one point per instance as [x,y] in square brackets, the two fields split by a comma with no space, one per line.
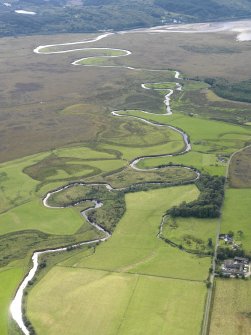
[243,30]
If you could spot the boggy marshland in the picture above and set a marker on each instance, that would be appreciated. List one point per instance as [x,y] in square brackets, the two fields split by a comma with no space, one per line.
[57,128]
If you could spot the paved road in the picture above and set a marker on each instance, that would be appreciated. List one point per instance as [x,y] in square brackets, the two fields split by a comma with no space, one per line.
[206,320]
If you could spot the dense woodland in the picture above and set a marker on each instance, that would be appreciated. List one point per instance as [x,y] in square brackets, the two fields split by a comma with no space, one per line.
[60,16]
[234,91]
[207,9]
[209,203]
[225,253]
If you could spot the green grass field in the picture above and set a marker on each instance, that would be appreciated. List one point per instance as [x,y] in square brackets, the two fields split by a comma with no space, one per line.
[9,277]
[161,86]
[133,264]
[191,233]
[194,86]
[206,135]
[32,226]
[135,239]
[117,303]
[34,216]
[232,308]
[204,162]
[236,216]
[211,141]
[135,133]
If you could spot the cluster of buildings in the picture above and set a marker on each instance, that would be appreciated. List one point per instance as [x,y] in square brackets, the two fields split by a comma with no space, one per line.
[237,267]
[228,239]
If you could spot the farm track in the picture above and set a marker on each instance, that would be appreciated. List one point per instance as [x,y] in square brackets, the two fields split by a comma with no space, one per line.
[16,305]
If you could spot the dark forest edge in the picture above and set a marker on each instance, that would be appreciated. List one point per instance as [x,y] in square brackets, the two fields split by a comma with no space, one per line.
[209,203]
[240,91]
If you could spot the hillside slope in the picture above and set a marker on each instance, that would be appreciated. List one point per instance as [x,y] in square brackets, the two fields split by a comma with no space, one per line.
[58,16]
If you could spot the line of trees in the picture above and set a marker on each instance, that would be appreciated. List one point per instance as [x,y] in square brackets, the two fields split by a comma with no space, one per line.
[225,253]
[208,204]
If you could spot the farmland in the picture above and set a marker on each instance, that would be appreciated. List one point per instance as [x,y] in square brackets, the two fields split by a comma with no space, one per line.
[191,233]
[239,173]
[58,135]
[231,312]
[122,270]
[236,214]
[112,305]
[9,277]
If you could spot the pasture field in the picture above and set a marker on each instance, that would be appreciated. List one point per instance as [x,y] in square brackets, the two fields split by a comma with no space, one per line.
[135,238]
[54,169]
[84,152]
[27,226]
[240,169]
[191,233]
[161,86]
[197,86]
[33,172]
[236,216]
[133,263]
[102,61]
[129,152]
[60,166]
[231,308]
[34,216]
[21,244]
[135,133]
[9,277]
[210,163]
[206,136]
[134,246]
[11,176]
[211,96]
[117,303]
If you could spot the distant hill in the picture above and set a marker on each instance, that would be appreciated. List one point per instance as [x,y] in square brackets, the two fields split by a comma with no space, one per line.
[59,16]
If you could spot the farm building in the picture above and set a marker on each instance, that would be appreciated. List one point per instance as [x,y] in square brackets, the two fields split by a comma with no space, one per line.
[241,260]
[238,266]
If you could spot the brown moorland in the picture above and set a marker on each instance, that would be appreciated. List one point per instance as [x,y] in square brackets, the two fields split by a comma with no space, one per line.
[40,93]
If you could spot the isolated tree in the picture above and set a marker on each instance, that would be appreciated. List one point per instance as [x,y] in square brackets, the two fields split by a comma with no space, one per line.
[231,233]
[210,242]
